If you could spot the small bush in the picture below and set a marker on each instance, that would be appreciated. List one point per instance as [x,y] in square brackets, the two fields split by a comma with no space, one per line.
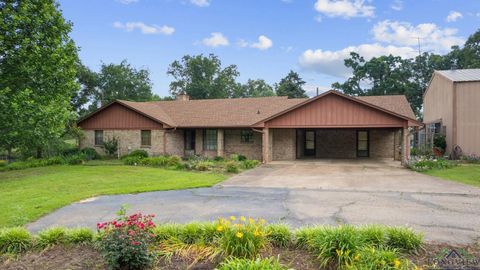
[404,239]
[55,161]
[52,236]
[125,242]
[111,146]
[75,159]
[250,163]
[133,160]
[160,161]
[279,235]
[232,167]
[247,264]
[373,235]
[3,163]
[90,153]
[203,166]
[440,142]
[138,153]
[241,158]
[174,161]
[218,158]
[429,164]
[80,236]
[378,259]
[15,240]
[241,237]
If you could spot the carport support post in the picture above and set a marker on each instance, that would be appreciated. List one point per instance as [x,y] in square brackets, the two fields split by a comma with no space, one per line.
[266,145]
[405,146]
[220,142]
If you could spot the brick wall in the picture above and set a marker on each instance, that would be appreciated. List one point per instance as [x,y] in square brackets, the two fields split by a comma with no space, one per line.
[336,143]
[129,140]
[175,142]
[283,144]
[382,143]
[233,144]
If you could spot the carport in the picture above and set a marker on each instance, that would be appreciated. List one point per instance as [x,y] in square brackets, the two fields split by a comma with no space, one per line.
[334,125]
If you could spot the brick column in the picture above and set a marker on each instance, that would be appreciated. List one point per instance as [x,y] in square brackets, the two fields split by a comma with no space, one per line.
[405,146]
[199,142]
[220,142]
[266,145]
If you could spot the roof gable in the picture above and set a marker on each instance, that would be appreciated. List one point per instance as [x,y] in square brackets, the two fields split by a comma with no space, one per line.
[333,109]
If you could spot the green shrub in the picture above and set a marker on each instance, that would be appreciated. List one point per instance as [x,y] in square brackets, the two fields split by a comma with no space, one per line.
[279,235]
[429,164]
[134,160]
[55,161]
[241,237]
[160,161]
[111,146]
[232,167]
[404,239]
[174,161]
[80,236]
[90,153]
[138,153]
[247,264]
[440,142]
[3,163]
[203,166]
[218,158]
[378,259]
[15,240]
[75,159]
[250,163]
[241,158]
[52,236]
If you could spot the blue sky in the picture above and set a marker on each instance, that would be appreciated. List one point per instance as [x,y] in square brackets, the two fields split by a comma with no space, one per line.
[265,38]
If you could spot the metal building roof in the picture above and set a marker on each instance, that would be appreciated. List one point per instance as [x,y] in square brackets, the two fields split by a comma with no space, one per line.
[461,75]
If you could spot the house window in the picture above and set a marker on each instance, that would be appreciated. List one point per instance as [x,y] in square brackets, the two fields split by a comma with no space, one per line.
[146,138]
[246,136]
[189,139]
[98,137]
[210,139]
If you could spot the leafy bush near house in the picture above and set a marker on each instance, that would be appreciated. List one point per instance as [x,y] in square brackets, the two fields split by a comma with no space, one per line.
[90,153]
[429,164]
[133,160]
[218,158]
[3,163]
[111,146]
[250,163]
[203,165]
[248,264]
[440,142]
[160,161]
[137,153]
[15,240]
[232,167]
[125,242]
[33,163]
[75,159]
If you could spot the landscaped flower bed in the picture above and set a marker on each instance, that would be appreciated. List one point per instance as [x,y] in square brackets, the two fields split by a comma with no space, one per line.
[135,242]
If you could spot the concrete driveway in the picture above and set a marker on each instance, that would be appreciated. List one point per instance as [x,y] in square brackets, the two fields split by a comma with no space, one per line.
[303,193]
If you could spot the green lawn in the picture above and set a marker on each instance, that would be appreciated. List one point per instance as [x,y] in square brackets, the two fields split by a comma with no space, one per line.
[467,174]
[26,195]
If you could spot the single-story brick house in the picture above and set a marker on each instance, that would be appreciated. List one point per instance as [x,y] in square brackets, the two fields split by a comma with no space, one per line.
[330,125]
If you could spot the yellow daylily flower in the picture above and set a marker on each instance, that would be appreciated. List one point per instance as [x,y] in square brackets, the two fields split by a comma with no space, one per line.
[397,263]
[256,233]
[251,220]
[357,257]
[219,228]
[233,218]
[339,252]
[239,234]
[242,218]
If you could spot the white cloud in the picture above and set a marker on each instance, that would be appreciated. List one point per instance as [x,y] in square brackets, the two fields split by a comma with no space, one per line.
[287,49]
[144,28]
[397,5]
[345,8]
[263,43]
[332,62]
[216,39]
[453,16]
[126,2]
[432,37]
[200,3]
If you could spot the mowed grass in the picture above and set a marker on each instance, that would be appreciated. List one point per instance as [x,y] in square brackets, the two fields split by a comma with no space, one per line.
[466,173]
[28,194]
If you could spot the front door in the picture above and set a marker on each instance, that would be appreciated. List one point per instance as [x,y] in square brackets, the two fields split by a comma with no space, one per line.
[309,143]
[189,142]
[363,146]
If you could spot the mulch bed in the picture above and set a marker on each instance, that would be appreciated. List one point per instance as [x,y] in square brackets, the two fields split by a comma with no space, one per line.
[87,258]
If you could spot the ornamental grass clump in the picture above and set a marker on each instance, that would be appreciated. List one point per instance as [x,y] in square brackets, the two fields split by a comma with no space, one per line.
[378,259]
[404,239]
[248,264]
[15,240]
[126,243]
[242,237]
[279,235]
[51,237]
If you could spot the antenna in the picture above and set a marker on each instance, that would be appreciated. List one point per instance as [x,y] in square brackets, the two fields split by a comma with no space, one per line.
[317,91]
[419,46]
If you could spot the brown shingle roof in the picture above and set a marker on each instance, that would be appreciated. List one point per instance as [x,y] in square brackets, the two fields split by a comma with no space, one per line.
[395,103]
[241,112]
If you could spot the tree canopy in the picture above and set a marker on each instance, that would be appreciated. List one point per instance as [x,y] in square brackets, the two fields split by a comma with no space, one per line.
[254,88]
[291,86]
[37,73]
[202,77]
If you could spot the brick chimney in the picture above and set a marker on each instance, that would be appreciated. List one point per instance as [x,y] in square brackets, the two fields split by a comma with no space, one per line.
[182,96]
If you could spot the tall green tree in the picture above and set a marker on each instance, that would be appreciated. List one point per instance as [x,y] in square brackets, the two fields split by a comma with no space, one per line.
[122,81]
[254,88]
[467,56]
[37,73]
[202,77]
[88,81]
[291,86]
